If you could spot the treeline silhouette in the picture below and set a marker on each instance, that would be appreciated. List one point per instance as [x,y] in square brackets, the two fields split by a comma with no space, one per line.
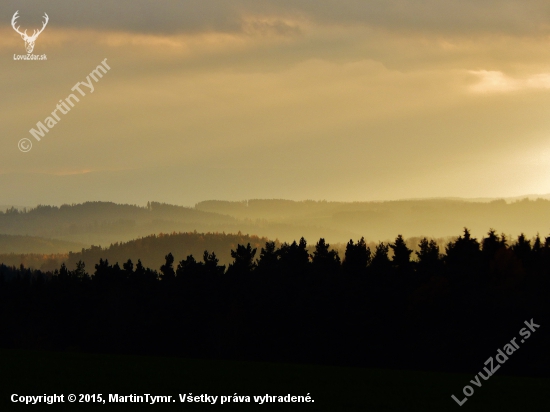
[444,311]
[150,249]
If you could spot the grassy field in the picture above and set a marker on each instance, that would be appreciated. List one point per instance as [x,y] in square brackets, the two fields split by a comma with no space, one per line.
[332,388]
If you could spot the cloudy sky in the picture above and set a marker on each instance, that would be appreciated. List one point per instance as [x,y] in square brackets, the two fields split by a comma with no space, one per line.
[297,99]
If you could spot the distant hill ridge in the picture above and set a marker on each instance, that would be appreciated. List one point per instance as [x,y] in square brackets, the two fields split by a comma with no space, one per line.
[33,244]
[105,223]
[383,220]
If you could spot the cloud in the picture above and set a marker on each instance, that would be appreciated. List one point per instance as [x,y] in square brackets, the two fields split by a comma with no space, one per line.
[184,16]
[498,82]
[388,92]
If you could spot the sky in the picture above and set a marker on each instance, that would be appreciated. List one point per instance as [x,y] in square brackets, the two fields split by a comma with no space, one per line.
[348,100]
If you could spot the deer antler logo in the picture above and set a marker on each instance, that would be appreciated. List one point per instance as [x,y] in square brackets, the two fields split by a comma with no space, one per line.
[29,40]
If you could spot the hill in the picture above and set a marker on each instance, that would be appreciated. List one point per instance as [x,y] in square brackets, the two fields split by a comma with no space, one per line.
[152,249]
[36,245]
[375,221]
[104,223]
[39,261]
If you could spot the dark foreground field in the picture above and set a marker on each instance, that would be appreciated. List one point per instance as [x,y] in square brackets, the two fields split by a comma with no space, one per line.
[332,388]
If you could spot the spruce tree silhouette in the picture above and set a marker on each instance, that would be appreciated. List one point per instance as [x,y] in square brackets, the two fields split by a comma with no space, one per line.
[401,259]
[243,264]
[491,244]
[188,268]
[523,250]
[63,273]
[211,267]
[356,258]
[463,257]
[294,259]
[539,254]
[269,259]
[428,252]
[324,261]
[128,268]
[167,270]
[537,246]
[381,263]
[80,271]
[118,274]
[429,262]
[139,274]
[103,272]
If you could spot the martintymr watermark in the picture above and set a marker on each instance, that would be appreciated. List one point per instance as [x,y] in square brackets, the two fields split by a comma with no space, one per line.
[501,357]
[64,106]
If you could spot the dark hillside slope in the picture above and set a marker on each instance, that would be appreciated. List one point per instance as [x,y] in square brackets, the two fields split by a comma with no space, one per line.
[152,249]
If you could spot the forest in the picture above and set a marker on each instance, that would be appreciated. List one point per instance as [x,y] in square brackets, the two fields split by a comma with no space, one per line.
[60,229]
[445,307]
